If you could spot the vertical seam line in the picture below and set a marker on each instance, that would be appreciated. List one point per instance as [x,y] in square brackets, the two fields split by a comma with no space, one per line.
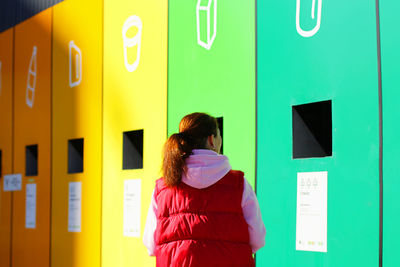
[380,135]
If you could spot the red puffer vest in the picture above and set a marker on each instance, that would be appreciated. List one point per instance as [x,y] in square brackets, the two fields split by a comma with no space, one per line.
[202,227]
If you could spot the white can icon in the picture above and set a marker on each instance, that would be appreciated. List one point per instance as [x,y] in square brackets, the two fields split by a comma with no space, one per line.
[210,27]
[318,24]
[132,42]
[75,70]
[31,80]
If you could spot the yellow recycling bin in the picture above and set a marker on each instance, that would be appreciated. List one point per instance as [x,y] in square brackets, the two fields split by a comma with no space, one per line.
[77,118]
[6,91]
[134,129]
[32,111]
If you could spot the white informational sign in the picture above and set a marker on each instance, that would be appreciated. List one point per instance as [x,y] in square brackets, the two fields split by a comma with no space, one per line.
[132,190]
[312,211]
[30,206]
[74,206]
[12,182]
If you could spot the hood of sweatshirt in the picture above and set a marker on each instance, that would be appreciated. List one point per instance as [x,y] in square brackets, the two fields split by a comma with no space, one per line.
[204,168]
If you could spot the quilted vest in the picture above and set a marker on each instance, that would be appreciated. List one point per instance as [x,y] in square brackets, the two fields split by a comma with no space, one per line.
[202,227]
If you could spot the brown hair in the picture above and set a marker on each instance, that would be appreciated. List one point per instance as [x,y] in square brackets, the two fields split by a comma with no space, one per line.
[193,132]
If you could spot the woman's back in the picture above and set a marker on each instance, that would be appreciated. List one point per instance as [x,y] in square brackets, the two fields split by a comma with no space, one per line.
[202,213]
[202,227]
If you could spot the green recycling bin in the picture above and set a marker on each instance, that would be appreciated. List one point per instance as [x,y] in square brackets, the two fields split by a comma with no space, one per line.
[318,132]
[390,57]
[211,68]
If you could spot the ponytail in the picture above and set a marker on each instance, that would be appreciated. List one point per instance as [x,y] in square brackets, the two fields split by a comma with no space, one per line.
[194,130]
[176,150]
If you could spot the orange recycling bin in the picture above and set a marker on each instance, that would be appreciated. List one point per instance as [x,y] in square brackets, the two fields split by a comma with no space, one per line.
[32,111]
[6,91]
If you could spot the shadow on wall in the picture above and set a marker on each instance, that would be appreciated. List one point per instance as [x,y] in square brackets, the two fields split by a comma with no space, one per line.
[13,12]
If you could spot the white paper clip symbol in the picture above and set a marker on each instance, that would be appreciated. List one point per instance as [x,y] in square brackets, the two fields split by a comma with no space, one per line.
[0,77]
[316,28]
[75,55]
[129,42]
[31,81]
[207,8]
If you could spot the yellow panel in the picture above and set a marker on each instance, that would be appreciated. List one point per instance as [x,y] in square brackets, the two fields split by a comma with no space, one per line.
[32,109]
[77,113]
[135,97]
[6,66]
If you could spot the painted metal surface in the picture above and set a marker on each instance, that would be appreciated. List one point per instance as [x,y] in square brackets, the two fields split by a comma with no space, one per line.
[77,114]
[336,62]
[390,56]
[6,114]
[135,99]
[32,109]
[211,68]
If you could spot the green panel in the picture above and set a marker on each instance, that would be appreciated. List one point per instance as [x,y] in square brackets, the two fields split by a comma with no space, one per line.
[338,63]
[390,44]
[219,80]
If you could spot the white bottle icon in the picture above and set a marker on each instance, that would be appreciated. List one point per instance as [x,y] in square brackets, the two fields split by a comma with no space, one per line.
[211,20]
[316,28]
[75,70]
[31,80]
[131,42]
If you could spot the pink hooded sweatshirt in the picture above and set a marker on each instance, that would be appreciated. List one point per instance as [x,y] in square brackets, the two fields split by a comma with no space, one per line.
[205,168]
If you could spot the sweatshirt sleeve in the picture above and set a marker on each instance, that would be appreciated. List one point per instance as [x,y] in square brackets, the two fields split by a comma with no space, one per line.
[252,215]
[150,227]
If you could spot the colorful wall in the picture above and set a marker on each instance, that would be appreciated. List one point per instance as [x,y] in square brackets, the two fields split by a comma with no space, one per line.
[307,102]
[337,63]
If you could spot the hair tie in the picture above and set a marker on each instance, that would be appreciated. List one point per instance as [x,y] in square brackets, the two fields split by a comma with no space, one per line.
[183,135]
[186,137]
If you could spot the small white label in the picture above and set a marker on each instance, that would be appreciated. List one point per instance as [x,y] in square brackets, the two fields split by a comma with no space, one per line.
[74,206]
[30,206]
[132,190]
[312,213]
[13,182]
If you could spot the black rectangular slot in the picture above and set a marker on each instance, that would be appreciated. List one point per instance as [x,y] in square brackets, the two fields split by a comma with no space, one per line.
[31,160]
[312,130]
[75,155]
[220,121]
[132,150]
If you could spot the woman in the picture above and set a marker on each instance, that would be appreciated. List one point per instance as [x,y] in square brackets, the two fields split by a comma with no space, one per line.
[202,213]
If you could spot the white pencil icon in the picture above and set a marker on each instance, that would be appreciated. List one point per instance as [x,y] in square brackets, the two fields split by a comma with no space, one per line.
[31,80]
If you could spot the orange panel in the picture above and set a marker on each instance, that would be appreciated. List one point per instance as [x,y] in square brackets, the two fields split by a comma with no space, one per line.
[6,63]
[32,110]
